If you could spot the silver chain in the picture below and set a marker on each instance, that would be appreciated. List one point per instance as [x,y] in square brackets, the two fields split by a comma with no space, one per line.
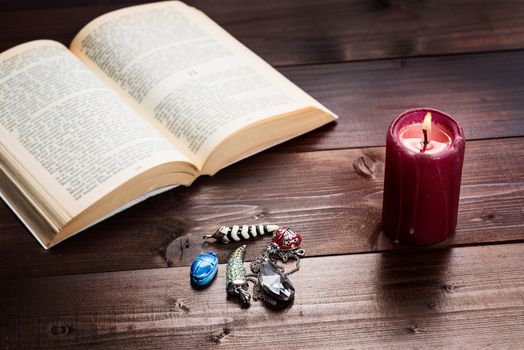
[297,267]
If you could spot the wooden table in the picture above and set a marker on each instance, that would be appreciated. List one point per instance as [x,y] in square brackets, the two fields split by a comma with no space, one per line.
[124,283]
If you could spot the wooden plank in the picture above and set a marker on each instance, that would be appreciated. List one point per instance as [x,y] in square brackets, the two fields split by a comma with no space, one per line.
[300,32]
[449,298]
[483,92]
[320,194]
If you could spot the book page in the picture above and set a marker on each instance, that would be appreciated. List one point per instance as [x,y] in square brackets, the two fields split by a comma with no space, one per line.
[67,137]
[184,73]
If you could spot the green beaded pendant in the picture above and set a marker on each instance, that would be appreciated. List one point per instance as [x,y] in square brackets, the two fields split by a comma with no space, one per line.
[236,283]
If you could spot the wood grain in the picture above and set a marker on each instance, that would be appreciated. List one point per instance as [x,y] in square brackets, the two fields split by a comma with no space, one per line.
[305,31]
[362,59]
[320,194]
[469,297]
[483,92]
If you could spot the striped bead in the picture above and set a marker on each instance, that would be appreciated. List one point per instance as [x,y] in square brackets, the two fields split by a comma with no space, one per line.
[238,233]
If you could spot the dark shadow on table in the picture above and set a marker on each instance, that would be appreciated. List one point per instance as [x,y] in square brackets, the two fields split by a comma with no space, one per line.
[411,284]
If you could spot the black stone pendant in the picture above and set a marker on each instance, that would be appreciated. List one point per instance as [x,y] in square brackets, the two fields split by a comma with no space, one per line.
[275,284]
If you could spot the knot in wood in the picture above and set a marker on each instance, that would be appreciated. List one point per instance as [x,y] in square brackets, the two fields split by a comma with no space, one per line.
[260,215]
[364,166]
[413,328]
[59,329]
[488,216]
[220,336]
[450,288]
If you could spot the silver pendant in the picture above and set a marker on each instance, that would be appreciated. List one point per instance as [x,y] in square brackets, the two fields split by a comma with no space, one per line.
[270,280]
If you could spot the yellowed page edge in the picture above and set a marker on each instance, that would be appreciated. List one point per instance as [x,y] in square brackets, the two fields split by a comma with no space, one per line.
[324,118]
[113,213]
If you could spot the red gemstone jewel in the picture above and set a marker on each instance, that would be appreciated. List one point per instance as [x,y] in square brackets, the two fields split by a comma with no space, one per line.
[287,239]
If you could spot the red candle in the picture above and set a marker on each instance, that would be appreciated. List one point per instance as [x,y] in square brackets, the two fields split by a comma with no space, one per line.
[424,156]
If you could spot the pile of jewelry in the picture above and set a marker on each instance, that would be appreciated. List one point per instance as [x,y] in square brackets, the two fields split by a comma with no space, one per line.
[270,280]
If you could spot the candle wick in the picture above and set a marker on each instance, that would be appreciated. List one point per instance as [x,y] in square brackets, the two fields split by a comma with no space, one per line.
[425,132]
[425,142]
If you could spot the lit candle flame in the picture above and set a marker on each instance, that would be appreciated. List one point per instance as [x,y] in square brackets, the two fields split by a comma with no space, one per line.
[426,125]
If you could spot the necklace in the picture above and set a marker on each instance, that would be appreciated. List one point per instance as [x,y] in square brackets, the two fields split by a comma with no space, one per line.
[270,280]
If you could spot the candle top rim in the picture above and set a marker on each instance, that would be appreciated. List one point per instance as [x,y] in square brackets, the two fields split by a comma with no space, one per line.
[416,115]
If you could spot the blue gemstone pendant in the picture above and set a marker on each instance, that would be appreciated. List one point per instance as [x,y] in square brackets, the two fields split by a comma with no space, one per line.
[204,268]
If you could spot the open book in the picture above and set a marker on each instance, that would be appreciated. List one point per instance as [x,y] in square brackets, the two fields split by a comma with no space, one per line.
[146,98]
